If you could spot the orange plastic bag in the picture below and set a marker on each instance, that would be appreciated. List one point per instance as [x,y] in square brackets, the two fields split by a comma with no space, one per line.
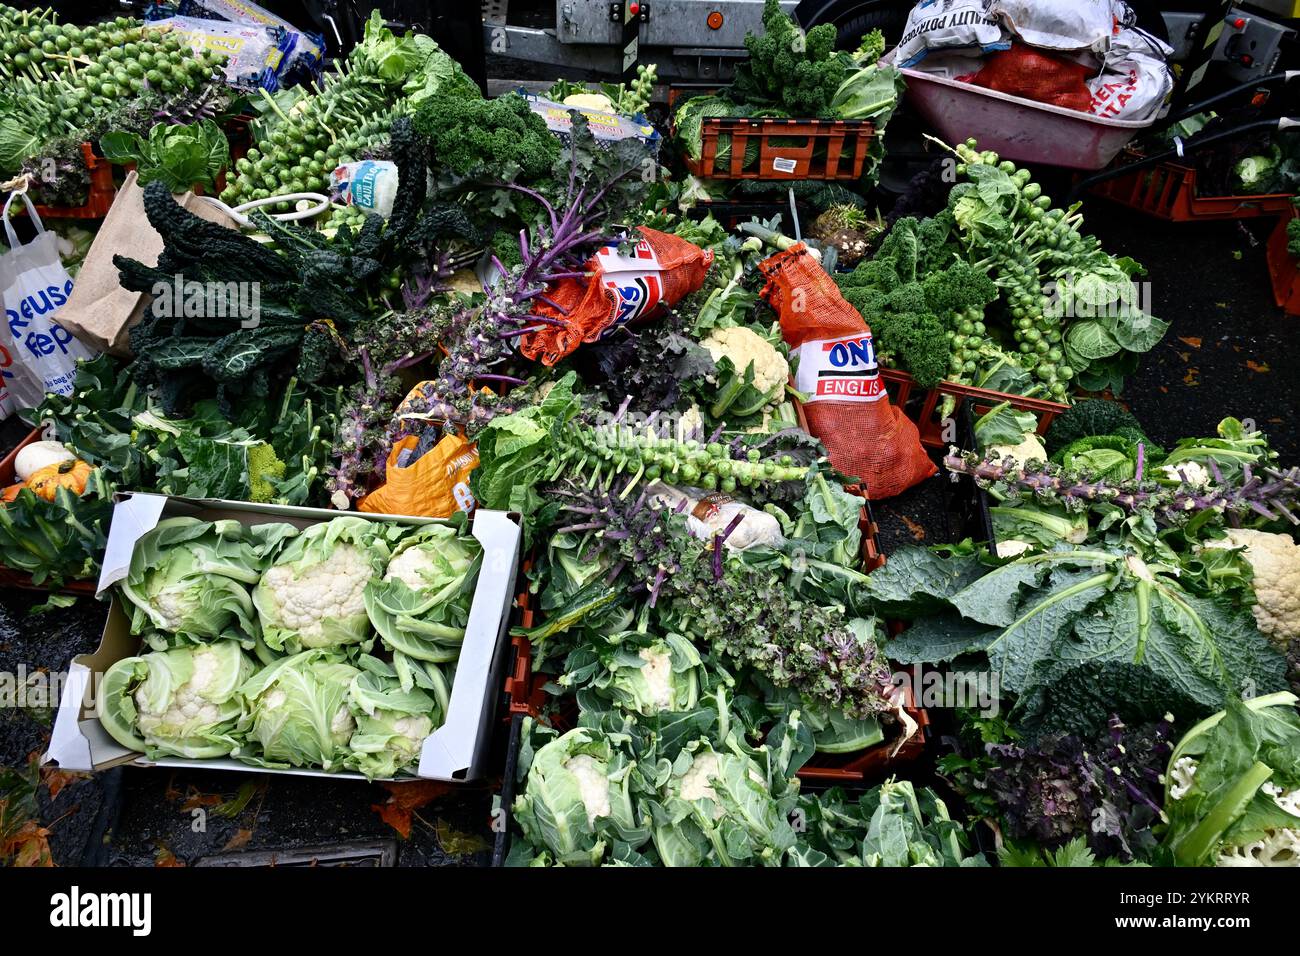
[435,485]
[847,407]
[1037,75]
[661,271]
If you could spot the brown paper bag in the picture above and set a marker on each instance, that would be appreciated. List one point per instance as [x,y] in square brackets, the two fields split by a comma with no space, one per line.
[99,312]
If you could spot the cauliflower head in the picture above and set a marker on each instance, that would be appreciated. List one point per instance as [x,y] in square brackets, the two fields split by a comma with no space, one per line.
[593,784]
[303,601]
[314,594]
[183,702]
[1191,473]
[1274,561]
[697,782]
[1030,448]
[743,346]
[658,674]
[300,710]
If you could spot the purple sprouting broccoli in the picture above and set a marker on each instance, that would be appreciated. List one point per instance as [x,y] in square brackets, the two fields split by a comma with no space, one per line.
[1258,493]
[596,187]
[749,615]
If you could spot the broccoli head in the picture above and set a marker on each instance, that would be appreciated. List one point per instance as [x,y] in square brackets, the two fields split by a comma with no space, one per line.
[264,469]
[1095,416]
[959,287]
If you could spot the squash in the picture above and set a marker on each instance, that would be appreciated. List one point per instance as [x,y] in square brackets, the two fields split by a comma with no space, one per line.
[32,458]
[11,493]
[66,474]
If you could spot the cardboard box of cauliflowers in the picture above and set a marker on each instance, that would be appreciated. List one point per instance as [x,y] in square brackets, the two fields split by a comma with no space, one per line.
[455,752]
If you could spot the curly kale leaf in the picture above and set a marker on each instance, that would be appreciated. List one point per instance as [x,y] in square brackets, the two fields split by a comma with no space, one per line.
[798,71]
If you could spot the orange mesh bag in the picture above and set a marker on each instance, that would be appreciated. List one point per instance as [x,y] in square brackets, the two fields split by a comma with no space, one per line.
[1036,75]
[847,407]
[660,271]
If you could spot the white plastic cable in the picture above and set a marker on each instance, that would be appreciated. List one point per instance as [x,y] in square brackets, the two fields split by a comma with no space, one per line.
[320,202]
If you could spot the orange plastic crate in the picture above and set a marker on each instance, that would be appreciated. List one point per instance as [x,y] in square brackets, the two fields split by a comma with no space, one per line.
[935,432]
[102,191]
[823,149]
[1168,191]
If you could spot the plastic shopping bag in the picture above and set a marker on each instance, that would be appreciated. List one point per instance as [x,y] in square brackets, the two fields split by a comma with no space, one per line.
[434,485]
[1063,24]
[1136,78]
[34,285]
[847,405]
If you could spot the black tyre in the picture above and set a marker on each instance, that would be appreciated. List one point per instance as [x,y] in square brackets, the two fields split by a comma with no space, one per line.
[853,18]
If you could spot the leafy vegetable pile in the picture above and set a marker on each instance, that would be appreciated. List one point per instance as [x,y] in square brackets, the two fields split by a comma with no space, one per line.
[706,630]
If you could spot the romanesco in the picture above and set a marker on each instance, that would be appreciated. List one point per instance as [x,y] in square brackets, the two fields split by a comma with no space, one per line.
[264,469]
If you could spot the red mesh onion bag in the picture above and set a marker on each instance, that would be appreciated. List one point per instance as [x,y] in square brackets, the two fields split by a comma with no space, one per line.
[660,271]
[1036,75]
[847,407]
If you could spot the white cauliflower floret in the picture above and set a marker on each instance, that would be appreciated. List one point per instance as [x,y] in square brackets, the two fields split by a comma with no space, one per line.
[342,723]
[1183,772]
[593,785]
[414,727]
[658,674]
[172,606]
[408,567]
[743,346]
[1029,449]
[1274,561]
[1191,473]
[696,783]
[1278,848]
[305,599]
[188,706]
[1288,800]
